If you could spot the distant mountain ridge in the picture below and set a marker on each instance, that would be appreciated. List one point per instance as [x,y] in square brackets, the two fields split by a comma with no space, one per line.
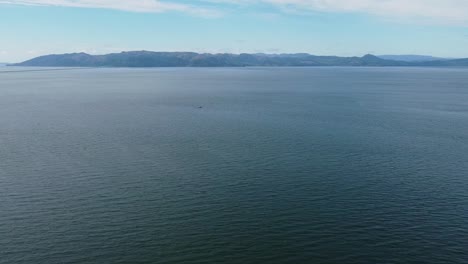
[411,58]
[192,59]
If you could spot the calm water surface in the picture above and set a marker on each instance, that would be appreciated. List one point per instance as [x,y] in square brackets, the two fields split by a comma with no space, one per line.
[280,165]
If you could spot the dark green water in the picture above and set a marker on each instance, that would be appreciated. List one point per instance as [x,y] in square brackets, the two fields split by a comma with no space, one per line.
[281,165]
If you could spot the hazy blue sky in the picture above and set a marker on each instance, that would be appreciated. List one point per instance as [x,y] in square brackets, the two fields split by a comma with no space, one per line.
[29,28]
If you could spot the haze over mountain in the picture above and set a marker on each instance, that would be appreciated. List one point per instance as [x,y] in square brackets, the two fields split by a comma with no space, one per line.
[192,59]
[411,58]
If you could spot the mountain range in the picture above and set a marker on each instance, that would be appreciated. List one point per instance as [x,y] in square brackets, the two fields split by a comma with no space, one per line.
[192,59]
[411,58]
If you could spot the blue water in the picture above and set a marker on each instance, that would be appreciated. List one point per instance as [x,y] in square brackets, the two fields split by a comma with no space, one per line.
[254,165]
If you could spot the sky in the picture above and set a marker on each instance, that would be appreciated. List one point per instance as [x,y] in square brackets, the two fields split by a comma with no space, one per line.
[30,28]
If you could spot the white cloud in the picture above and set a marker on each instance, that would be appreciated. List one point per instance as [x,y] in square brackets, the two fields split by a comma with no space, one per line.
[147,6]
[434,11]
[439,11]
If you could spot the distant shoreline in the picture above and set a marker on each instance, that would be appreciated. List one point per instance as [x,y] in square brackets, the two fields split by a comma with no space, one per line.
[65,68]
[42,69]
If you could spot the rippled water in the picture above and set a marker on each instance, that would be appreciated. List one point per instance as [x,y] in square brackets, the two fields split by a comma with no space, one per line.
[280,165]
